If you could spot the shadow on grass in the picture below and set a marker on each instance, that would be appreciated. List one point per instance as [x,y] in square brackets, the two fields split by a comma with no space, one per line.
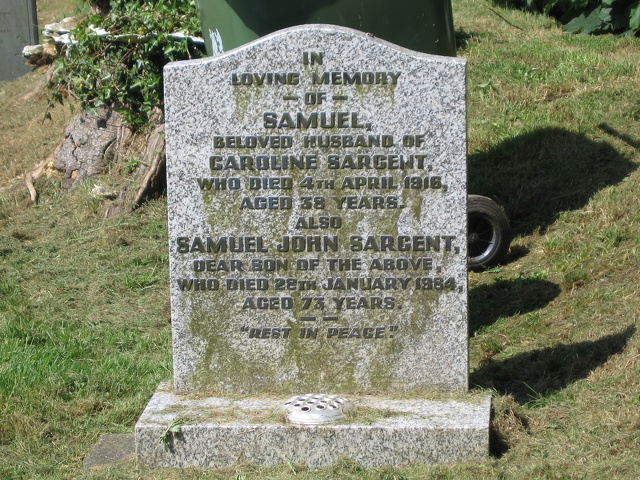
[532,377]
[463,39]
[537,175]
[504,298]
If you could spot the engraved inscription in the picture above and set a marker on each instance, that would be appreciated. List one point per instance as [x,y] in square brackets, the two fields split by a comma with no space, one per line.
[273,184]
[318,191]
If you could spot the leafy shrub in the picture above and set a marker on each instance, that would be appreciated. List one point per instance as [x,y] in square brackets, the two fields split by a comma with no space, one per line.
[100,71]
[590,16]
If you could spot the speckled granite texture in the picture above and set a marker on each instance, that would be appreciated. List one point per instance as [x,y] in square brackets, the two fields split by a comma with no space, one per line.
[393,316]
[219,432]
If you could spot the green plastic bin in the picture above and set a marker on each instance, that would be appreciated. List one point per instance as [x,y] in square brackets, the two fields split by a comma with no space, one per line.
[422,25]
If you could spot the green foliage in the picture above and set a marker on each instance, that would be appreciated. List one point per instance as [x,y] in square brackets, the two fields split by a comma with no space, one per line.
[590,16]
[127,76]
[173,429]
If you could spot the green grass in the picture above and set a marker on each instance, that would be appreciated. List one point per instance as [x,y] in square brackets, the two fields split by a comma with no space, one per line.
[82,329]
[554,134]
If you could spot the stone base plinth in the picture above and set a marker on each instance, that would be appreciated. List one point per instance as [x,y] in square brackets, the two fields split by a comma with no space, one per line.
[218,432]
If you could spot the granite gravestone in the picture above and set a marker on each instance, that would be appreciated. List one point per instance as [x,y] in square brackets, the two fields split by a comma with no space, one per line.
[317,230]
[317,218]
[18,28]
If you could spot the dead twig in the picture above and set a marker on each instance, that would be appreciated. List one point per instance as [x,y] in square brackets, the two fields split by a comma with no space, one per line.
[514,26]
[32,176]
[29,179]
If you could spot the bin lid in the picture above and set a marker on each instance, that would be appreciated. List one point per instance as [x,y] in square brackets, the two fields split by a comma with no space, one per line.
[422,25]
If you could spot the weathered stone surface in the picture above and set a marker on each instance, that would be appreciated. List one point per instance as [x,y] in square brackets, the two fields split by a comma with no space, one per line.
[375,302]
[218,432]
[18,28]
[111,450]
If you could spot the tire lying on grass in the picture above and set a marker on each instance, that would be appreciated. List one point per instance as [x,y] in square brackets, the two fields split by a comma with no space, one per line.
[488,232]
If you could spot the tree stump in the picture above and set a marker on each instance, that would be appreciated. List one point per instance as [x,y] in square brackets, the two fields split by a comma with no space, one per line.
[101,147]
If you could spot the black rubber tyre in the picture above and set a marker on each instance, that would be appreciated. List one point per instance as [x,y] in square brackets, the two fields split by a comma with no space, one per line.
[489,232]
